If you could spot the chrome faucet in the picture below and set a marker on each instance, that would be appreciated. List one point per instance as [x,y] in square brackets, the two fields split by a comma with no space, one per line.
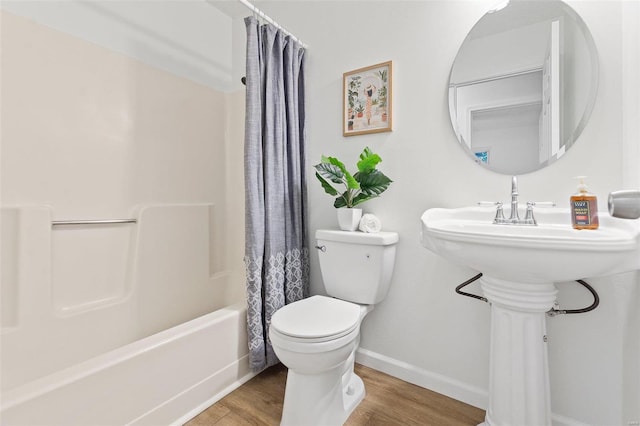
[514,218]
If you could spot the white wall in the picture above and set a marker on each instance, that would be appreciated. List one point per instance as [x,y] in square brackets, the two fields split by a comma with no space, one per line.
[631,171]
[430,334]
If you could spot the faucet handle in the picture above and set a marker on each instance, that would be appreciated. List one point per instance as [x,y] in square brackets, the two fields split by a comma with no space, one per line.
[540,204]
[528,218]
[499,212]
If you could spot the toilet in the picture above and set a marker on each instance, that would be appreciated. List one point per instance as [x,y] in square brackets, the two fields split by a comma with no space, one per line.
[316,338]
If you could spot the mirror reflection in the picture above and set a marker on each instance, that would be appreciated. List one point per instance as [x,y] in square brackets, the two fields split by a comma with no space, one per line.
[523,85]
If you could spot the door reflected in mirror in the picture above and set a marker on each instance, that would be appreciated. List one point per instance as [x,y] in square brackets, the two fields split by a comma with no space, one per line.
[523,85]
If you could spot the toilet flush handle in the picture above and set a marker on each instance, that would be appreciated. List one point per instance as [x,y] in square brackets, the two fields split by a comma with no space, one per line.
[322,248]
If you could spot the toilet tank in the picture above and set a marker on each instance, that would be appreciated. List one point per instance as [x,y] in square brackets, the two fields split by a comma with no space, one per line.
[356,266]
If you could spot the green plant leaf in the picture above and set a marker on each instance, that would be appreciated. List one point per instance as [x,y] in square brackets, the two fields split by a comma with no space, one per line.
[361,198]
[350,181]
[339,203]
[368,160]
[331,172]
[344,200]
[365,184]
[326,185]
[373,182]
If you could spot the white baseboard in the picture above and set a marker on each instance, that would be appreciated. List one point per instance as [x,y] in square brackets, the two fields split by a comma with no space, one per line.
[444,385]
[559,420]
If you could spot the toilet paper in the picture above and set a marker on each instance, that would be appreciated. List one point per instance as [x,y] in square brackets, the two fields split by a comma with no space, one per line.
[370,223]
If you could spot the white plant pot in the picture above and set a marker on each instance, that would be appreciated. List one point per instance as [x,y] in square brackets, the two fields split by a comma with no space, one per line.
[348,219]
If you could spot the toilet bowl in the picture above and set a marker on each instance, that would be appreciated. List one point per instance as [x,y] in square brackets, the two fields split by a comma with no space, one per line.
[316,338]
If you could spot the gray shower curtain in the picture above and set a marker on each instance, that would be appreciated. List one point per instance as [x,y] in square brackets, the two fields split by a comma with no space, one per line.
[276,254]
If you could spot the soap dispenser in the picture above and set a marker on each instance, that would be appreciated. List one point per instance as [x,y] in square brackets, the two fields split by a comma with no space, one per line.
[584,208]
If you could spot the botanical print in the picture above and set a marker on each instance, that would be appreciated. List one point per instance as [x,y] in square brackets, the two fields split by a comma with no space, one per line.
[367,100]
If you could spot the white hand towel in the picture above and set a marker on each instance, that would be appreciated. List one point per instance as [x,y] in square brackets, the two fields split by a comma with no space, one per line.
[370,223]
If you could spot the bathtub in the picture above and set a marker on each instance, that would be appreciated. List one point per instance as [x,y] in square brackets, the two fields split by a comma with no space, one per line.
[117,325]
[163,379]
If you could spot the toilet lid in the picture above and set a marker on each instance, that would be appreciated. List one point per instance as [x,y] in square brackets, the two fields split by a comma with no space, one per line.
[316,317]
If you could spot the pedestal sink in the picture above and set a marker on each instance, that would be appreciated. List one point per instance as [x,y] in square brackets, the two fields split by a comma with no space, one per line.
[520,265]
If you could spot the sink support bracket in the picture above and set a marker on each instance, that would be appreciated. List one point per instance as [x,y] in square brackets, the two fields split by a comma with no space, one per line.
[466,283]
[596,301]
[553,311]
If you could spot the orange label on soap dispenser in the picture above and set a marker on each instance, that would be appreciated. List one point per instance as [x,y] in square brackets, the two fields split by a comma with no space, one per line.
[581,212]
[583,215]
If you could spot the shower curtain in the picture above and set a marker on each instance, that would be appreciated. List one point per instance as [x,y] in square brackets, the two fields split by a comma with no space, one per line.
[276,254]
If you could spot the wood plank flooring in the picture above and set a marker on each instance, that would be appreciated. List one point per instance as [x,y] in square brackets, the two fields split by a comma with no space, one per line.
[389,401]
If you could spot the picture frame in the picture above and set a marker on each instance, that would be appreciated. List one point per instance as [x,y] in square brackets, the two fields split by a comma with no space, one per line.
[367,100]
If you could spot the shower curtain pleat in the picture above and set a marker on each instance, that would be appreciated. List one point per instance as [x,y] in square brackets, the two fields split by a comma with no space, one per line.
[276,254]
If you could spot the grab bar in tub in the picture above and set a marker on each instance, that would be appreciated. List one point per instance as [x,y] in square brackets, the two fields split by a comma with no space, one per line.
[92,222]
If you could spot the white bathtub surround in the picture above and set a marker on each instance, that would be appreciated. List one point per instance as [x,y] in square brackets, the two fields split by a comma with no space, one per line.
[115,138]
[102,342]
[106,314]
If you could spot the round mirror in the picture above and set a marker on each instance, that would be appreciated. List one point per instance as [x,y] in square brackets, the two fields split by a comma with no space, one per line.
[523,85]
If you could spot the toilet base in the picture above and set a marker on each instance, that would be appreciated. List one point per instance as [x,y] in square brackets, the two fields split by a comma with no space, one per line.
[321,399]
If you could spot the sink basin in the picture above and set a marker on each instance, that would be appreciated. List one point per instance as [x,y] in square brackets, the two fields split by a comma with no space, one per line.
[550,252]
[520,265]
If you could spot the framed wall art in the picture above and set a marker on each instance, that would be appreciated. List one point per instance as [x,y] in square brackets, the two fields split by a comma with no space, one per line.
[367,100]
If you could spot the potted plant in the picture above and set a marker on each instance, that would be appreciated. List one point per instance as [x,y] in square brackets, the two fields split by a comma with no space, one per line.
[367,183]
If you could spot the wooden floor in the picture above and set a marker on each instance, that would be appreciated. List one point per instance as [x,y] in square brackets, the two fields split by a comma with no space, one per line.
[389,401]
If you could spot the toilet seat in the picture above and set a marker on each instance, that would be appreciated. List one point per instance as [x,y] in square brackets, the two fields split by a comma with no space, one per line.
[317,338]
[316,320]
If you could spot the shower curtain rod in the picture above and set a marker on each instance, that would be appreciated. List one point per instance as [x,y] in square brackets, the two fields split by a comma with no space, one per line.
[264,16]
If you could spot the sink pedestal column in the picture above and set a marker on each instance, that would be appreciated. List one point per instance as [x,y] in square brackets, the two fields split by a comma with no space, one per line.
[519,371]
